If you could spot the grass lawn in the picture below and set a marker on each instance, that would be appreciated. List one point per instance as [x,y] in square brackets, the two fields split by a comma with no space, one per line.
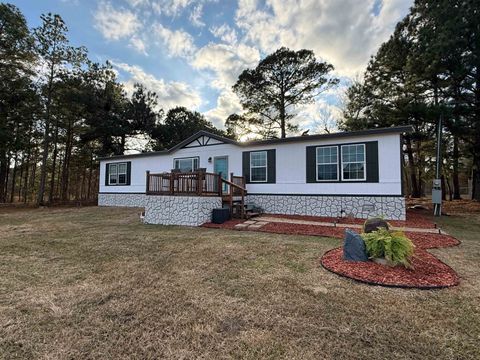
[95,283]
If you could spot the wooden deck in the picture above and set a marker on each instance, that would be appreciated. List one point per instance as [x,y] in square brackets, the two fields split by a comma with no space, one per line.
[200,183]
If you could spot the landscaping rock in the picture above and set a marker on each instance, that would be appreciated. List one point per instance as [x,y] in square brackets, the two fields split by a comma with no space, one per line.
[354,247]
[374,224]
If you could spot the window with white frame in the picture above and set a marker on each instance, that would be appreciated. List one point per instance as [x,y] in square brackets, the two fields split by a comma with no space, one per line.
[353,162]
[327,163]
[258,166]
[186,164]
[117,174]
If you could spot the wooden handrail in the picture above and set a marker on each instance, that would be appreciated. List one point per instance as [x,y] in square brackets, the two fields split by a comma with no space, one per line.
[233,184]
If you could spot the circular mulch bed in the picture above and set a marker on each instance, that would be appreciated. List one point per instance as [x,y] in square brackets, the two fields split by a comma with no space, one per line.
[428,272]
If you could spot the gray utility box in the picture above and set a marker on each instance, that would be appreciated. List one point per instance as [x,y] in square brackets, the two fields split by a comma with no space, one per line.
[437,191]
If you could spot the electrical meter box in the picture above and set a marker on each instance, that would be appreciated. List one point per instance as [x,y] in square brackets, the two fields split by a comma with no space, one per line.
[437,191]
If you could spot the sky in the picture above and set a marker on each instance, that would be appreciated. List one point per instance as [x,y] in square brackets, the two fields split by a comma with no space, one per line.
[191,52]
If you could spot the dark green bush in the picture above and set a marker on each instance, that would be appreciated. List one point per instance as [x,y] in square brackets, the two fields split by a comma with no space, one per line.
[394,246]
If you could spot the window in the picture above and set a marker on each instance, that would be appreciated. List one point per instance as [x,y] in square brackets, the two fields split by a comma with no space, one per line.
[353,162]
[117,174]
[327,163]
[186,164]
[258,166]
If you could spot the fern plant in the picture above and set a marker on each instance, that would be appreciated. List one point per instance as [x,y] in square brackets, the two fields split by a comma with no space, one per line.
[394,246]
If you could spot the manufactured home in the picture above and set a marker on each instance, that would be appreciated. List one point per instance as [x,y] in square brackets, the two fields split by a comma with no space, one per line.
[341,174]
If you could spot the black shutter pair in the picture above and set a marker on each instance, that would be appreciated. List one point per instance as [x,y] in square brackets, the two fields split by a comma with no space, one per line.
[371,160]
[107,172]
[271,166]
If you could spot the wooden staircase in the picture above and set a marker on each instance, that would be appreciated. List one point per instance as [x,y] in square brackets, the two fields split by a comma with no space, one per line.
[234,198]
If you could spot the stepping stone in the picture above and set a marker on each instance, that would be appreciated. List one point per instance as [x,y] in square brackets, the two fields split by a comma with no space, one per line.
[241,226]
[250,222]
[255,226]
[262,223]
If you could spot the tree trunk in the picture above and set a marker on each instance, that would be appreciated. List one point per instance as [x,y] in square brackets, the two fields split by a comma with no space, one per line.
[476,180]
[411,164]
[14,175]
[33,177]
[3,175]
[20,178]
[283,125]
[51,193]
[46,138]
[66,164]
[455,179]
[90,170]
[444,188]
[25,179]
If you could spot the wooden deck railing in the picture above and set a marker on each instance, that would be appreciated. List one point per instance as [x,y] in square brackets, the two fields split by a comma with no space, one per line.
[200,183]
[236,189]
[197,183]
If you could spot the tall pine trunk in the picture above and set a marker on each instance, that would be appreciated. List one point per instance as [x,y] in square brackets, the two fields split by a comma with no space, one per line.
[66,164]
[51,196]
[3,175]
[455,176]
[14,176]
[412,169]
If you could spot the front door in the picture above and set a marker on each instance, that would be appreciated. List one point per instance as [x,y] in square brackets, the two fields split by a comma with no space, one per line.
[220,165]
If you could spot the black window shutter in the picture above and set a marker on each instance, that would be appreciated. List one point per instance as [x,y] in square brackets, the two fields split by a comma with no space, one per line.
[271,166]
[371,151]
[246,166]
[107,172]
[129,171]
[311,157]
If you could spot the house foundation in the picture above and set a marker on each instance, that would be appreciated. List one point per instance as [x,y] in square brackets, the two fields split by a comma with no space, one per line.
[180,210]
[122,199]
[388,207]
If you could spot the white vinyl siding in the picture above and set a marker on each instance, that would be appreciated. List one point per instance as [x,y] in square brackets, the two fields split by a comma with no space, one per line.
[327,163]
[186,164]
[353,162]
[258,166]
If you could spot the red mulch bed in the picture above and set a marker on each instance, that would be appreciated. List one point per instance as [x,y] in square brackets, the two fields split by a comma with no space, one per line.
[432,241]
[300,229]
[415,219]
[319,218]
[421,240]
[428,272]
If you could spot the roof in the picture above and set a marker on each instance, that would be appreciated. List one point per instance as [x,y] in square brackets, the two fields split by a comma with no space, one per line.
[345,134]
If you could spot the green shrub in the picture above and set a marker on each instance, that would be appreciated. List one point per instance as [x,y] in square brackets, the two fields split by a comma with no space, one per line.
[394,246]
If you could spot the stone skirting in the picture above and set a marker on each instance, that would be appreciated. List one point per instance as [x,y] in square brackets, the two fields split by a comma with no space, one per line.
[180,210]
[388,207]
[121,199]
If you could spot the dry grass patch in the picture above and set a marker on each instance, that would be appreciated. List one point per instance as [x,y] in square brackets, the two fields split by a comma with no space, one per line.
[95,283]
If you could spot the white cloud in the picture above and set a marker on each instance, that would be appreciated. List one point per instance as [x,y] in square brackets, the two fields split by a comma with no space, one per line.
[165,7]
[139,45]
[344,33]
[178,42]
[196,16]
[115,24]
[225,61]
[224,33]
[227,104]
[171,7]
[170,94]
